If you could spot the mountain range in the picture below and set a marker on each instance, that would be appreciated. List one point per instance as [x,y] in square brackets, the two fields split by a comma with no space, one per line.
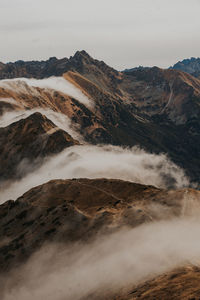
[154,108]
[191,66]
[122,150]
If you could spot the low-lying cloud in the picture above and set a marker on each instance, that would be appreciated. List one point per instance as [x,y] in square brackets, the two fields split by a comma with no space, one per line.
[114,162]
[106,265]
[9,100]
[59,119]
[60,84]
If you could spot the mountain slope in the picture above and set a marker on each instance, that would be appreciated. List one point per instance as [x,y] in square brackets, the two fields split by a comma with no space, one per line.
[181,283]
[167,93]
[191,66]
[53,67]
[159,110]
[29,139]
[64,233]
[75,210]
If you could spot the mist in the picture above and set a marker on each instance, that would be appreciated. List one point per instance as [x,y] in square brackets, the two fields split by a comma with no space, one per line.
[87,161]
[9,100]
[60,84]
[59,119]
[107,264]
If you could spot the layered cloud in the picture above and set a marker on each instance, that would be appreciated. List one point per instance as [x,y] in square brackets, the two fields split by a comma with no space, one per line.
[26,85]
[87,161]
[106,265]
[59,119]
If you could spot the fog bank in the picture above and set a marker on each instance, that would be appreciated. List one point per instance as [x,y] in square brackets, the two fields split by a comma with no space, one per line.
[86,161]
[60,84]
[106,265]
[59,119]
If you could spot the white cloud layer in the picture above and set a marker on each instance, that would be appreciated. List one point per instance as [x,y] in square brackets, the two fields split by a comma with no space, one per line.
[9,100]
[86,161]
[108,264]
[59,119]
[26,85]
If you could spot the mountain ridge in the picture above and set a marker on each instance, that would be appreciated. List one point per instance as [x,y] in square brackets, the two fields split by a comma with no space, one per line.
[190,65]
[156,109]
[29,139]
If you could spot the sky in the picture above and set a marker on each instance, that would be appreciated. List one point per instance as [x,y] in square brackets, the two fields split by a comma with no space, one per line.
[124,33]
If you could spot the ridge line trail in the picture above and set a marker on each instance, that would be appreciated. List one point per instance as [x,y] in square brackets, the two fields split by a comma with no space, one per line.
[170,96]
[101,190]
[112,195]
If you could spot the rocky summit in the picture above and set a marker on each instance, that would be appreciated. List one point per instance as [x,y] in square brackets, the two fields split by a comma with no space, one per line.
[191,66]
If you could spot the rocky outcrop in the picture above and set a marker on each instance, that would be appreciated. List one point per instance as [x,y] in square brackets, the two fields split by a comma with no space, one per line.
[191,66]
[80,62]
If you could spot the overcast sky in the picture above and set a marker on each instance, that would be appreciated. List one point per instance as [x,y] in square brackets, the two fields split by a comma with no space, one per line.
[123,33]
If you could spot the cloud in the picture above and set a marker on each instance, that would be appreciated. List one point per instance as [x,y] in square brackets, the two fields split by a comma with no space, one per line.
[26,85]
[114,162]
[59,119]
[107,264]
[9,100]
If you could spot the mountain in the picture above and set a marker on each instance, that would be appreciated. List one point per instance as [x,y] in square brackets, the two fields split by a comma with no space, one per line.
[69,211]
[28,140]
[101,238]
[191,66]
[169,286]
[135,69]
[153,108]
[51,67]
[95,201]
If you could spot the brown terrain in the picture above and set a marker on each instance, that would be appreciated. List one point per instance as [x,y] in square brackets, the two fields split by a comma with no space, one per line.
[30,139]
[155,109]
[181,283]
[191,66]
[99,200]
[72,210]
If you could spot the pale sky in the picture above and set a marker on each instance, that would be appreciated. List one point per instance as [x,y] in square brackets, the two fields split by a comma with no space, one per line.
[123,33]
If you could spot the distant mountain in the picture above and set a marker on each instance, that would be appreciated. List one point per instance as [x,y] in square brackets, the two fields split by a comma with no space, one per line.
[136,69]
[191,66]
[50,67]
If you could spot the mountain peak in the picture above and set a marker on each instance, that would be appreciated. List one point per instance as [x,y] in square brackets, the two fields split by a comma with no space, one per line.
[190,65]
[81,53]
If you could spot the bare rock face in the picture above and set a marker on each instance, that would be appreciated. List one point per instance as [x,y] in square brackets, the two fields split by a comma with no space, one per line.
[169,93]
[36,69]
[191,66]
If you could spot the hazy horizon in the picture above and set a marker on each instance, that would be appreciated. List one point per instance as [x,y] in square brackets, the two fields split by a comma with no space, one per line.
[139,32]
